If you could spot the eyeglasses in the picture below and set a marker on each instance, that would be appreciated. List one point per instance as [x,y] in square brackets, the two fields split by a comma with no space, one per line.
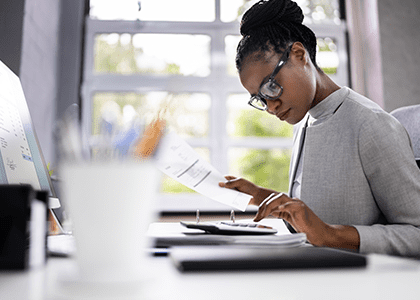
[270,89]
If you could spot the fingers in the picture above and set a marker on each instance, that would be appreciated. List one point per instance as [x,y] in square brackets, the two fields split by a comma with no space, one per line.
[285,211]
[262,208]
[233,179]
[270,205]
[241,185]
[228,178]
[230,183]
[270,199]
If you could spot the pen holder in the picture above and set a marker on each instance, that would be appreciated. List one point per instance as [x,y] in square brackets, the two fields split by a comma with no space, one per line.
[23,227]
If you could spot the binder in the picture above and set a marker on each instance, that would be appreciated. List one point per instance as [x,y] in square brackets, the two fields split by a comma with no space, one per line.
[222,258]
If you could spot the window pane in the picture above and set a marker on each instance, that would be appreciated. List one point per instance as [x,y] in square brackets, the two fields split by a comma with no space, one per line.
[187,114]
[231,10]
[171,186]
[231,43]
[266,168]
[243,120]
[320,11]
[327,56]
[153,10]
[157,54]
[315,11]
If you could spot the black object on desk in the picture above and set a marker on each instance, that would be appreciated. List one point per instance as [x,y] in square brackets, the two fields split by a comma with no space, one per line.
[223,258]
[23,226]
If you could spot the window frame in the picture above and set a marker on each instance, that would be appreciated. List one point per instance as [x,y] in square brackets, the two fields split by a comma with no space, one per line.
[218,84]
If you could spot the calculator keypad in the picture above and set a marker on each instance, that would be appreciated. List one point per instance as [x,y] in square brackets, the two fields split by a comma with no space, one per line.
[232,227]
[251,225]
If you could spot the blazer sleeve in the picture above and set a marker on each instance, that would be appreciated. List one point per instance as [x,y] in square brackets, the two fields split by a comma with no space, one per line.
[390,168]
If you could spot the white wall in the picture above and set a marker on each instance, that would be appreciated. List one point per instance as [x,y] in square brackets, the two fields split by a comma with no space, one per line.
[385,50]
[11,23]
[399,25]
[38,69]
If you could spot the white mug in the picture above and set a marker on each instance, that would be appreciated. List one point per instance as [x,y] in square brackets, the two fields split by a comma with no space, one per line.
[111,205]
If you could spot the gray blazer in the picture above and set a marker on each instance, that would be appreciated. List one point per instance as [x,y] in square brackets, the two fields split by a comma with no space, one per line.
[409,117]
[359,170]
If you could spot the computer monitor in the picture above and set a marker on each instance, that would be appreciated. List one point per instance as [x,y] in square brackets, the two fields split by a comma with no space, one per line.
[21,159]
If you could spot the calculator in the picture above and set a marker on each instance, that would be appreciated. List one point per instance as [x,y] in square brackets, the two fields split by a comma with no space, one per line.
[231,228]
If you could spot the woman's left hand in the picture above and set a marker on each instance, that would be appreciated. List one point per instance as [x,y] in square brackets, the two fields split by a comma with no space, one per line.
[303,219]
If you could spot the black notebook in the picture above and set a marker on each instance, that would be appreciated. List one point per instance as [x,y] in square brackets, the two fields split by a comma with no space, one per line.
[221,258]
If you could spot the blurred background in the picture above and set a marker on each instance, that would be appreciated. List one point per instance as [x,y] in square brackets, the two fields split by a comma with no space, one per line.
[121,61]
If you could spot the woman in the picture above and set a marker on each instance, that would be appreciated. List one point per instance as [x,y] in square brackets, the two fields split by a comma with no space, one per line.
[354,183]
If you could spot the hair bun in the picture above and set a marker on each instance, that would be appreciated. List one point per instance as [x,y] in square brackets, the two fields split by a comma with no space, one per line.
[270,12]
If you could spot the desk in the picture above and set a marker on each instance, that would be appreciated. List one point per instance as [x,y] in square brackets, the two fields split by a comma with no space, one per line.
[384,278]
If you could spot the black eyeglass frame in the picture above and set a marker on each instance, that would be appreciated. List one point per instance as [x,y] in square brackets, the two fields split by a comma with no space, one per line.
[260,97]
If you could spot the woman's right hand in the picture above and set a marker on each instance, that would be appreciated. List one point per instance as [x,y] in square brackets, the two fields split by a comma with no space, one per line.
[242,185]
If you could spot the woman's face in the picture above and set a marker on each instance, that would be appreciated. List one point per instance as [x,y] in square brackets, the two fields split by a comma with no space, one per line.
[297,77]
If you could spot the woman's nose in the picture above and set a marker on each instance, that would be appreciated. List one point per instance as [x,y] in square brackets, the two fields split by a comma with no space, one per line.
[272,106]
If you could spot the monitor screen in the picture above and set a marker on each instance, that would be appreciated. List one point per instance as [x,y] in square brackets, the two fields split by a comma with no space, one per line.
[21,160]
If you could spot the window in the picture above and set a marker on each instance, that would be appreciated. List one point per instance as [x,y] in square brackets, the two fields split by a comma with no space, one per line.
[182,53]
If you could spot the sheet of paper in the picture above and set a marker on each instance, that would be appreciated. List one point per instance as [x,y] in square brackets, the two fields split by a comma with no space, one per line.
[178,160]
[15,152]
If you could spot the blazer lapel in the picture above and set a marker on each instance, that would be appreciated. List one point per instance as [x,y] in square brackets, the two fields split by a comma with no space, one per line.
[297,151]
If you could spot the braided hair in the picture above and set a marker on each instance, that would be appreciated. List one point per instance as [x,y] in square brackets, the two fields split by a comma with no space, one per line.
[273,25]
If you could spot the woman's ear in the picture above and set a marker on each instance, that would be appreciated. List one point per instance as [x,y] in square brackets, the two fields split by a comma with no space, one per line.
[299,54]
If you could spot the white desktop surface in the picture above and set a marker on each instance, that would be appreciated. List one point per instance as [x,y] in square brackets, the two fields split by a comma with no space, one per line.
[385,277]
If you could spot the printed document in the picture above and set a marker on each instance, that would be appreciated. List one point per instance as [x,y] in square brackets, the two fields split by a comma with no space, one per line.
[178,160]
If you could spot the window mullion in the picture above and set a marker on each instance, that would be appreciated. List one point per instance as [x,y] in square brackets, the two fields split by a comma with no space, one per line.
[219,93]
[133,27]
[219,85]
[217,7]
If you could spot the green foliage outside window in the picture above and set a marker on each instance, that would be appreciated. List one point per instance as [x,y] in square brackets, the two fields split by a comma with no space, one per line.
[267,168]
[115,57]
[254,123]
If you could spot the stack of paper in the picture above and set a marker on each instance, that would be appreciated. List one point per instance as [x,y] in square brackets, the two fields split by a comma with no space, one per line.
[173,234]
